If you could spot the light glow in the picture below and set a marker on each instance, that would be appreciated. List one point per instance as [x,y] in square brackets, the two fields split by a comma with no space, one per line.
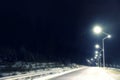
[97,46]
[109,36]
[88,61]
[97,29]
[95,57]
[91,59]
[96,52]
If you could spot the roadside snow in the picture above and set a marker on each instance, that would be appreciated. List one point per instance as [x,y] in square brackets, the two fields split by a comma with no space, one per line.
[55,75]
[47,71]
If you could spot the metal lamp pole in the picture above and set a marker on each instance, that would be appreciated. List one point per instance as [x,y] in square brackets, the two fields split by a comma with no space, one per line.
[97,46]
[103,45]
[98,30]
[103,52]
[100,59]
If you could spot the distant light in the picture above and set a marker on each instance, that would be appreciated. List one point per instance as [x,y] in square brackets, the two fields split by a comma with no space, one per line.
[96,52]
[91,59]
[97,46]
[88,61]
[109,36]
[97,29]
[95,57]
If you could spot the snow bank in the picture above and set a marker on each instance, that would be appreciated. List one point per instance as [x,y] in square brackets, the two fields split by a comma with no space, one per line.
[39,69]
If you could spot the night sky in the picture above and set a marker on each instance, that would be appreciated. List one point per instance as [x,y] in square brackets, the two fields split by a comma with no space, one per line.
[54,30]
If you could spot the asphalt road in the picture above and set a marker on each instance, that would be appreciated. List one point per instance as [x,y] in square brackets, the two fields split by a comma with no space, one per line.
[90,73]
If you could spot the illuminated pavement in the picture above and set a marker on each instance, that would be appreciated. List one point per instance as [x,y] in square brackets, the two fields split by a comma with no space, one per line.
[91,73]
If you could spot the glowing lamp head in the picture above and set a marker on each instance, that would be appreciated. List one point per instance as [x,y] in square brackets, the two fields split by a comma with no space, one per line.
[97,46]
[97,29]
[88,61]
[95,57]
[109,36]
[91,59]
[96,52]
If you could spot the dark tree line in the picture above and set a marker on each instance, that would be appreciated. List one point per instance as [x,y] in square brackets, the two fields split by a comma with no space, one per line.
[23,54]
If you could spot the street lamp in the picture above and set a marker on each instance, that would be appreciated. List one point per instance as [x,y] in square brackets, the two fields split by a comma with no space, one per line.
[97,46]
[109,36]
[103,40]
[89,62]
[95,57]
[98,30]
[96,52]
[91,59]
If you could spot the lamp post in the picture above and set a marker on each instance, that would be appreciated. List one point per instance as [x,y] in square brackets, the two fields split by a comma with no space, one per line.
[97,57]
[103,45]
[98,53]
[98,30]
[97,46]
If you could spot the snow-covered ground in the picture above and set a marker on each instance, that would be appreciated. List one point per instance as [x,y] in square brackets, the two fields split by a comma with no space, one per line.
[114,72]
[39,71]
[49,76]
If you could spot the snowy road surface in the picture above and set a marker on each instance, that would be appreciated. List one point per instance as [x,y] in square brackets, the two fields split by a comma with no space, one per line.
[90,73]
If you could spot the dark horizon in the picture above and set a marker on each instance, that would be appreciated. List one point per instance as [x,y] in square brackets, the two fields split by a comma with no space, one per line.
[58,30]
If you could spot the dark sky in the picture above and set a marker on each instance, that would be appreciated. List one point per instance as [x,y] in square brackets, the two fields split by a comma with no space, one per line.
[60,29]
